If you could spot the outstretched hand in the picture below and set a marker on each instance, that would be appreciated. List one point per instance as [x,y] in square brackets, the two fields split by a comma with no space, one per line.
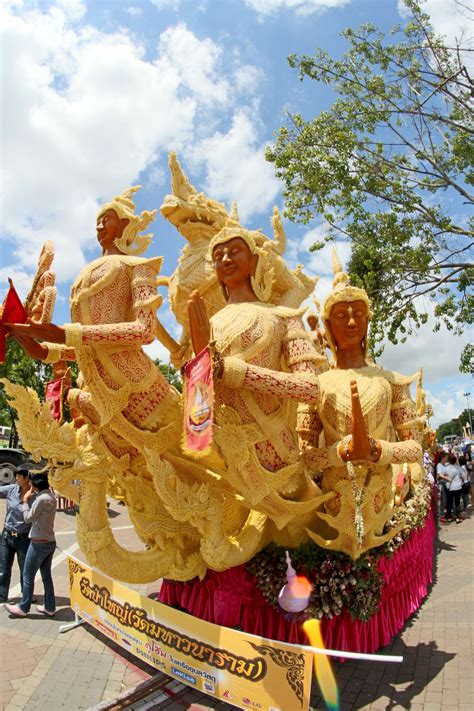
[43,331]
[198,322]
[31,347]
[359,446]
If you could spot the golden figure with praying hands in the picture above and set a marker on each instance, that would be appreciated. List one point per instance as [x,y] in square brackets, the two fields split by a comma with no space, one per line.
[369,423]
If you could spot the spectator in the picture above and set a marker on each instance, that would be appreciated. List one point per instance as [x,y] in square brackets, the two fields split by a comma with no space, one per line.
[14,538]
[428,466]
[42,545]
[443,492]
[466,483]
[468,456]
[452,474]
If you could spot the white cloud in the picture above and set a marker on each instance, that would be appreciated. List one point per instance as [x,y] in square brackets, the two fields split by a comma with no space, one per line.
[236,168]
[76,125]
[157,350]
[438,352]
[319,262]
[195,62]
[247,78]
[448,17]
[301,7]
[74,9]
[134,11]
[447,405]
[21,279]
[164,4]
[84,114]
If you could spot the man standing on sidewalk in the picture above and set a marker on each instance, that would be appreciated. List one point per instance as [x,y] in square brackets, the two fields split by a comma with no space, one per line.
[14,538]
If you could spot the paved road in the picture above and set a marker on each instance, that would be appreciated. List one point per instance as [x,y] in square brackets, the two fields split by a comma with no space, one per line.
[41,669]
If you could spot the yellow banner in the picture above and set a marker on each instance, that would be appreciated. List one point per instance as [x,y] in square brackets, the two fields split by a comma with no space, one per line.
[248,672]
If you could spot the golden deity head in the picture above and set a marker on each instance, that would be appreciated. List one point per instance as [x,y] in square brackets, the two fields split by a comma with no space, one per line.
[266,252]
[342,291]
[129,241]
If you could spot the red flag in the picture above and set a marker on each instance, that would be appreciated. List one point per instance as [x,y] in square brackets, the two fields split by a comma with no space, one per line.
[54,395]
[198,405]
[12,311]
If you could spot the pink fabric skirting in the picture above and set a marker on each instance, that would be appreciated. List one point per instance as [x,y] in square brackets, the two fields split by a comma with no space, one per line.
[231,599]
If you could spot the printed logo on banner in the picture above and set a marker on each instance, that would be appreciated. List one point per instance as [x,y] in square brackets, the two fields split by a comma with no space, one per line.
[252,704]
[210,688]
[182,675]
[227,694]
[106,630]
[155,648]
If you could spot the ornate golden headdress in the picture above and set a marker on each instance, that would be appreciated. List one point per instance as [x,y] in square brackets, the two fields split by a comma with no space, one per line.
[130,242]
[342,290]
[267,251]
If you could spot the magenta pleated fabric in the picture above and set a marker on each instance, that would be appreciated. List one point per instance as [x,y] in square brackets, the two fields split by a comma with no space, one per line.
[231,599]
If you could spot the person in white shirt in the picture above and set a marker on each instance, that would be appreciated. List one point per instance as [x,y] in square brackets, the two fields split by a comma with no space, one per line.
[443,492]
[452,475]
[466,486]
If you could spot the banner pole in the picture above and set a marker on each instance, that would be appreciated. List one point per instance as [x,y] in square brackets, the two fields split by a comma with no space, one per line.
[78,621]
[354,655]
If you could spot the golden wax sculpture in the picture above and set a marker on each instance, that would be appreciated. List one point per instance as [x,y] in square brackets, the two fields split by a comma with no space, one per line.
[291,458]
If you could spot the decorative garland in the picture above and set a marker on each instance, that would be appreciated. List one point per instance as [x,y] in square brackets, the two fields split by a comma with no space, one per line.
[339,583]
[412,514]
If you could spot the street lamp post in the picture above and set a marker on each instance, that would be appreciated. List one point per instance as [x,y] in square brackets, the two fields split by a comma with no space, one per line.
[466,395]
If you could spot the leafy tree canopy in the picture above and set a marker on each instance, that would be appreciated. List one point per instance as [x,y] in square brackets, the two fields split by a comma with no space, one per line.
[172,375]
[20,368]
[453,427]
[389,166]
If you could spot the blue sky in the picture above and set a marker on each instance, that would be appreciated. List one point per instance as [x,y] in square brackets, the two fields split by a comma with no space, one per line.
[98,92]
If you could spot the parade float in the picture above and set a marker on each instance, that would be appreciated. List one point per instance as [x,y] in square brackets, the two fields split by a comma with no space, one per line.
[291,467]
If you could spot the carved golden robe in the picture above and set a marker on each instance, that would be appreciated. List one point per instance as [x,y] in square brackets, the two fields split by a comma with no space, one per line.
[390,416]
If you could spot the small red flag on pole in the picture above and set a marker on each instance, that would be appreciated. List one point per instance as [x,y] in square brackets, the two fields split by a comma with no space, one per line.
[12,311]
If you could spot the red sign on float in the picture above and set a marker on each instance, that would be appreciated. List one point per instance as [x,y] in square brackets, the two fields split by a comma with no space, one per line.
[198,405]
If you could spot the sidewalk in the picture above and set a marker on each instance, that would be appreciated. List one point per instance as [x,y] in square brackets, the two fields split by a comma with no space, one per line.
[43,670]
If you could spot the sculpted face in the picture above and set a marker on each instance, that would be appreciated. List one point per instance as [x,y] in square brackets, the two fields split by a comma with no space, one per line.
[234,262]
[109,228]
[348,322]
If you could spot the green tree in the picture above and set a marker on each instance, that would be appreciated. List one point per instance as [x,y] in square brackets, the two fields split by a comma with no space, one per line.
[389,167]
[172,375]
[20,368]
[453,427]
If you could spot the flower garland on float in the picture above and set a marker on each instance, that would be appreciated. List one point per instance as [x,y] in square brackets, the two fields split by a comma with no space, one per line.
[338,583]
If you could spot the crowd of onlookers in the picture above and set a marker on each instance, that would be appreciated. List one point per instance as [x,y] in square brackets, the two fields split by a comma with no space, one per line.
[451,471]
